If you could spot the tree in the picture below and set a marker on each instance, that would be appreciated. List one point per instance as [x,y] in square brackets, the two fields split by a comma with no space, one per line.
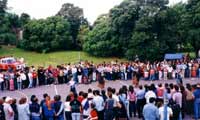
[74,15]
[47,35]
[193,24]
[24,18]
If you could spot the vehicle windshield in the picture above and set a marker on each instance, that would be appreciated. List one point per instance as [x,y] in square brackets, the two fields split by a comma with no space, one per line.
[12,60]
[9,60]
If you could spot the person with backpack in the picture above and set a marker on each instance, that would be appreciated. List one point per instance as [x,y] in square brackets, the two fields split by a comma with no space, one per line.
[109,107]
[2,113]
[132,101]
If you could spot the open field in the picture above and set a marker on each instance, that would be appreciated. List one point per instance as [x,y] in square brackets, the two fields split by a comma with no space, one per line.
[54,58]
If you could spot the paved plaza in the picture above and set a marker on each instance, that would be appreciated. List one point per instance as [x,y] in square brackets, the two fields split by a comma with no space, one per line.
[64,89]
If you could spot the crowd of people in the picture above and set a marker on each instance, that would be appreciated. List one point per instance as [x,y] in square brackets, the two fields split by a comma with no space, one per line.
[87,72]
[150,102]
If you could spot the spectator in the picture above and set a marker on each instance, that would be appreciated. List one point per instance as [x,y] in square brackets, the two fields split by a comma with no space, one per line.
[15,110]
[150,94]
[140,95]
[150,111]
[162,112]
[23,110]
[109,107]
[2,113]
[99,104]
[75,108]
[132,101]
[93,113]
[48,108]
[9,113]
[34,108]
[86,106]
[68,115]
[59,108]
[197,102]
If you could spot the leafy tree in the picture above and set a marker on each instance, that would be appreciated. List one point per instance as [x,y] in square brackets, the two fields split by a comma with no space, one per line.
[24,18]
[192,23]
[75,17]
[47,35]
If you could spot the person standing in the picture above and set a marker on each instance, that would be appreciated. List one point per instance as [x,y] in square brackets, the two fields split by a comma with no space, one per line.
[23,110]
[68,114]
[162,112]
[2,113]
[150,111]
[1,81]
[75,108]
[140,96]
[197,102]
[177,98]
[99,104]
[59,108]
[9,113]
[34,108]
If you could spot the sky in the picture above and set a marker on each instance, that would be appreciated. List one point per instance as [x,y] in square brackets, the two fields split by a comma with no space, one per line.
[45,8]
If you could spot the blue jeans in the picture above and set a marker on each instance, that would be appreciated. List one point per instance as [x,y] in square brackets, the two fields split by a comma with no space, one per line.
[35,118]
[19,85]
[196,108]
[61,117]
[76,116]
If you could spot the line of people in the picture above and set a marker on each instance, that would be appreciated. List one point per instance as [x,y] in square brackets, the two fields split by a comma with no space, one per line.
[87,72]
[151,102]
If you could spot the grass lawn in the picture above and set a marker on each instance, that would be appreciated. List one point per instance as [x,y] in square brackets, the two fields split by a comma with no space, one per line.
[54,58]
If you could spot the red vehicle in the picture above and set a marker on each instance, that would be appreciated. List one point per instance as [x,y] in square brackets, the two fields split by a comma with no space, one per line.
[11,62]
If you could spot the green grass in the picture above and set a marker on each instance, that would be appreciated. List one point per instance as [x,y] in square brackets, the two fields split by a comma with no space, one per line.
[54,58]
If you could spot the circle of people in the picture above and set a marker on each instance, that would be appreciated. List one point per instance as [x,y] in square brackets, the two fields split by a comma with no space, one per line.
[150,102]
[87,72]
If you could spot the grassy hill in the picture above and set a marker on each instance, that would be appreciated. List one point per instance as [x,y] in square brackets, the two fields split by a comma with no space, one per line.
[54,58]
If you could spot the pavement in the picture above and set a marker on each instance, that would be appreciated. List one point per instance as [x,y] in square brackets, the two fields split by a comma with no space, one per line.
[64,89]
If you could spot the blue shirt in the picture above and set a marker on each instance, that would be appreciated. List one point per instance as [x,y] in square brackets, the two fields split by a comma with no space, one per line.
[150,112]
[140,94]
[197,93]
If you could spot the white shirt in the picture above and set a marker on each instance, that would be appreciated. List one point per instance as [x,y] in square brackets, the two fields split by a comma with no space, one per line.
[8,110]
[1,77]
[22,76]
[67,106]
[116,98]
[86,112]
[161,112]
[74,70]
[149,95]
[30,76]
[99,103]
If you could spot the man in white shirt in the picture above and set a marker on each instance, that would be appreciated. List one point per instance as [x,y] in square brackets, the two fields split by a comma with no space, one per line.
[165,114]
[99,104]
[150,94]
